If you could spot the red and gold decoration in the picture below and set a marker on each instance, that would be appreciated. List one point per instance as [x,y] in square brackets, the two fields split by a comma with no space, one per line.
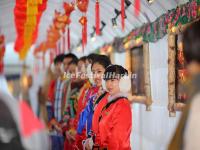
[27,16]
[56,34]
[83,6]
[2,52]
[69,8]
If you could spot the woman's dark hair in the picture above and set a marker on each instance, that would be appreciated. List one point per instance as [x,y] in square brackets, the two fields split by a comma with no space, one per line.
[59,58]
[91,57]
[102,60]
[191,42]
[114,72]
[84,58]
[70,55]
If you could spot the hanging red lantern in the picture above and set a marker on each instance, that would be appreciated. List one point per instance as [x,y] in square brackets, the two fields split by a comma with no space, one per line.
[82,5]
[69,7]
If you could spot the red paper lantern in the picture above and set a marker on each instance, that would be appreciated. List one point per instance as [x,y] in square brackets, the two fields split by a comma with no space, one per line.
[69,7]
[82,5]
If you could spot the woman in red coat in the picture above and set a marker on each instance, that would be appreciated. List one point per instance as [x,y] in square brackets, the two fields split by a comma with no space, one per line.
[115,121]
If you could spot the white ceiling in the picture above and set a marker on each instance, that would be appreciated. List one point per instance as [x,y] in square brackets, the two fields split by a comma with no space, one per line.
[106,12]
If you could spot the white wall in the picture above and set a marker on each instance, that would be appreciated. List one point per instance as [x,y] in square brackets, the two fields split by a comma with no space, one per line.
[153,130]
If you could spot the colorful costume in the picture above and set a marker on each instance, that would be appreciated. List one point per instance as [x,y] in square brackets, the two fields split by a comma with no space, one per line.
[81,130]
[81,100]
[115,124]
[69,125]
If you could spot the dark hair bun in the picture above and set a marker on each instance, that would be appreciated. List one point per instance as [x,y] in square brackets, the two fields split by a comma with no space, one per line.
[114,71]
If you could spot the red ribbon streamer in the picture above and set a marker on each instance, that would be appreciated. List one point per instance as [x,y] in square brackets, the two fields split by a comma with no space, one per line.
[43,60]
[122,14]
[63,42]
[97,18]
[137,7]
[68,39]
[84,35]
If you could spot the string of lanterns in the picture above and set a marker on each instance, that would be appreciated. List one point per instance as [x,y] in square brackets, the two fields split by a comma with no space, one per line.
[59,41]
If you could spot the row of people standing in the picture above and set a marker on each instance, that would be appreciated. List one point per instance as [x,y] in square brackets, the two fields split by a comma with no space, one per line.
[87,105]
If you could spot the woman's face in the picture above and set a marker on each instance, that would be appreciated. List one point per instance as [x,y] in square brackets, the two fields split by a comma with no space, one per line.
[82,70]
[98,71]
[112,86]
[72,70]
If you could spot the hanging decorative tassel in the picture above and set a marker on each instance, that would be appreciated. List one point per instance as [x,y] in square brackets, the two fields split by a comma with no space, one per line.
[122,14]
[85,32]
[97,17]
[68,39]
[137,7]
[83,22]
[63,43]
[43,60]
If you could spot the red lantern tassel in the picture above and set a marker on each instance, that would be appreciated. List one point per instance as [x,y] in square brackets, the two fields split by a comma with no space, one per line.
[122,14]
[68,39]
[137,7]
[97,18]
[63,42]
[43,60]
[83,42]
[84,34]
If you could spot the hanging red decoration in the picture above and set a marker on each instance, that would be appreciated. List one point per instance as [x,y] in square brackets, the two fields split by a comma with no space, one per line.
[122,14]
[43,60]
[27,16]
[82,5]
[68,39]
[137,7]
[97,17]
[69,7]
[63,43]
[83,22]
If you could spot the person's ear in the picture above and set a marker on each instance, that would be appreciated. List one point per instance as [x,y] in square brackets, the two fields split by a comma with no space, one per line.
[125,84]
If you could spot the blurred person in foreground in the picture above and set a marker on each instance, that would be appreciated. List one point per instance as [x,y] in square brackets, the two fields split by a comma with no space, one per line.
[20,129]
[187,134]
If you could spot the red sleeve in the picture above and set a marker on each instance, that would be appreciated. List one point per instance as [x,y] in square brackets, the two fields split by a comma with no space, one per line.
[121,127]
